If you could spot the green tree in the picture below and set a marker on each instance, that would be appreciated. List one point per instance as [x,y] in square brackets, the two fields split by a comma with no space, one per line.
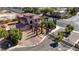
[30,9]
[48,10]
[3,33]
[36,10]
[27,9]
[52,23]
[72,11]
[15,35]
[36,27]
[59,36]
[43,23]
[69,28]
[47,24]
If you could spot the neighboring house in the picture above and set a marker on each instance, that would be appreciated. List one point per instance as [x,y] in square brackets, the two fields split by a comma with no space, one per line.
[61,10]
[57,13]
[7,16]
[53,15]
[12,9]
[15,9]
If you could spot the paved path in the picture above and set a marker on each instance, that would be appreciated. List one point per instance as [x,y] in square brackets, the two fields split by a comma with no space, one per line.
[29,38]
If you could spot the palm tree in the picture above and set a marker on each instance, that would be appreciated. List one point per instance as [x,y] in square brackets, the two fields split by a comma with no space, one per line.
[36,27]
[42,24]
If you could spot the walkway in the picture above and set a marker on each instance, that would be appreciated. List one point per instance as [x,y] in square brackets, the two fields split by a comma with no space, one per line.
[29,38]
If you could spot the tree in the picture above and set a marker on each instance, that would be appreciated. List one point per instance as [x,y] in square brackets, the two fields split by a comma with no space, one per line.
[43,23]
[27,9]
[36,26]
[71,11]
[3,33]
[52,24]
[30,10]
[69,28]
[48,24]
[48,10]
[36,10]
[15,35]
[59,36]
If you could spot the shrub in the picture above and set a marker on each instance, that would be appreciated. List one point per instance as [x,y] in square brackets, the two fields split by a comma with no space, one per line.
[69,28]
[59,36]
[3,32]
[15,35]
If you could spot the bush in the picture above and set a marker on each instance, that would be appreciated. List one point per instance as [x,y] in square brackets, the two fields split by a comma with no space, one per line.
[15,35]
[3,33]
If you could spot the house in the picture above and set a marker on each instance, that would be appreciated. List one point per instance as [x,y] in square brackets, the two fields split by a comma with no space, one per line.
[26,19]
